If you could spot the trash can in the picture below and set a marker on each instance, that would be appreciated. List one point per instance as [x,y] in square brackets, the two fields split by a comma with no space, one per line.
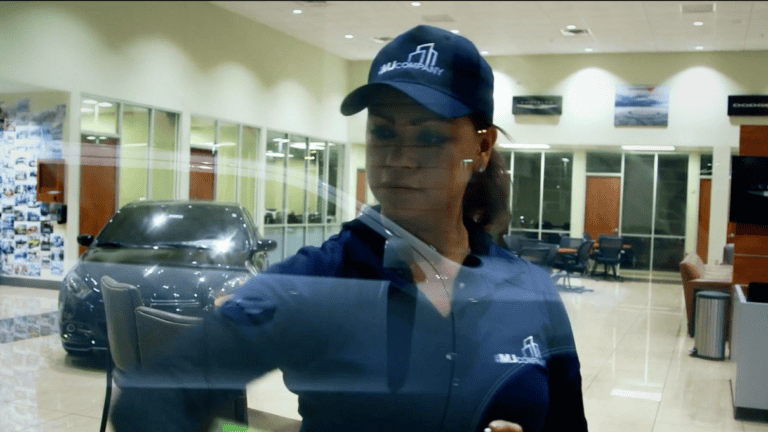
[710,324]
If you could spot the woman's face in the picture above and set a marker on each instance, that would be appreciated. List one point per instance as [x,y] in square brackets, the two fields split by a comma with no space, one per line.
[415,159]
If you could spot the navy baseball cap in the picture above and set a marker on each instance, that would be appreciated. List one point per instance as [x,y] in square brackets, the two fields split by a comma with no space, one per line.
[442,71]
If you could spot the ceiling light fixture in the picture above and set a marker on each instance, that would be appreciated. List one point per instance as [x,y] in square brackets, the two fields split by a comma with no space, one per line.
[524,146]
[297,11]
[570,27]
[91,138]
[104,104]
[455,31]
[90,101]
[699,47]
[348,36]
[648,148]
[415,4]
[484,52]
[698,23]
[86,110]
[588,49]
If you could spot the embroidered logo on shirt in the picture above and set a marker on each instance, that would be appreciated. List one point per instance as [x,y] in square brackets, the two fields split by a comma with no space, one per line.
[531,354]
[423,58]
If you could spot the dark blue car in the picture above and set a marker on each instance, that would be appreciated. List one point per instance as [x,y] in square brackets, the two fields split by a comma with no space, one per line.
[181,255]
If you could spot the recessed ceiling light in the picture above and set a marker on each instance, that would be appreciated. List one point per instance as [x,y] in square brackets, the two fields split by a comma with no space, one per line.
[570,27]
[699,47]
[102,137]
[648,148]
[297,11]
[91,138]
[455,31]
[86,110]
[588,49]
[105,104]
[698,23]
[484,52]
[90,101]
[348,36]
[415,4]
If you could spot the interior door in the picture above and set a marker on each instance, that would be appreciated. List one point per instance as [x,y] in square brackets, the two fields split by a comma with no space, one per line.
[98,184]
[202,175]
[602,206]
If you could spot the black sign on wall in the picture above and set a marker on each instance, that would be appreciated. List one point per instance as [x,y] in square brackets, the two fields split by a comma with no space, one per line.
[537,105]
[749,105]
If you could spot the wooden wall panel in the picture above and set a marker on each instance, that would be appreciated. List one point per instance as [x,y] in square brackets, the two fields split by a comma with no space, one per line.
[751,269]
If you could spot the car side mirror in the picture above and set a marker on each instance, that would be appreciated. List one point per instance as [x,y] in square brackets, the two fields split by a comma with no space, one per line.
[84,240]
[265,245]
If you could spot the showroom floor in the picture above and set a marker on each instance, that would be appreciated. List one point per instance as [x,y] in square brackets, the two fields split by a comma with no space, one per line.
[637,374]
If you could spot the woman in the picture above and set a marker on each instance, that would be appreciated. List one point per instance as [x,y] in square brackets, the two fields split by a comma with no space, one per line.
[410,318]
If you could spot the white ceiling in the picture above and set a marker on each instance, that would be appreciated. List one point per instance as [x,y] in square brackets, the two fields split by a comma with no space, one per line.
[521,27]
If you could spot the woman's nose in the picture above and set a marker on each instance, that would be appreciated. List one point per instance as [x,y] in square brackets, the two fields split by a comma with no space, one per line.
[400,155]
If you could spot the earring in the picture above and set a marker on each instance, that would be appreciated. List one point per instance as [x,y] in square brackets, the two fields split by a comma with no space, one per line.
[481,170]
[482,131]
[466,162]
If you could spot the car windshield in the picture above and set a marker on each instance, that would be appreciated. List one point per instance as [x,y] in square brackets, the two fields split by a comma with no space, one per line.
[219,230]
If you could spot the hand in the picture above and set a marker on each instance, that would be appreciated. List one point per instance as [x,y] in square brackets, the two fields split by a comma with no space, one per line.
[503,426]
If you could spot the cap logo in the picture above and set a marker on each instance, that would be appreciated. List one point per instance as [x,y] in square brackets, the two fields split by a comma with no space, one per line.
[423,58]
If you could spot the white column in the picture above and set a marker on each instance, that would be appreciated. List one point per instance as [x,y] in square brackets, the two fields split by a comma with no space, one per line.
[578,193]
[692,203]
[719,203]
[71,153]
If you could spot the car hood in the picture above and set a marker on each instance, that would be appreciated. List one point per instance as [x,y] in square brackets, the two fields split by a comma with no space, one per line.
[164,280]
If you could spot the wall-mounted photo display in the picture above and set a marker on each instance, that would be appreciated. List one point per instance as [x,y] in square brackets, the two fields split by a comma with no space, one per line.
[45,243]
[7,221]
[45,263]
[7,245]
[33,228]
[57,240]
[537,105]
[643,105]
[20,228]
[33,242]
[34,268]
[20,242]
[45,211]
[46,227]
[7,233]
[32,214]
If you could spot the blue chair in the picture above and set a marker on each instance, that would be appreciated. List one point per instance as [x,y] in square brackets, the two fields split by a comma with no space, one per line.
[608,254]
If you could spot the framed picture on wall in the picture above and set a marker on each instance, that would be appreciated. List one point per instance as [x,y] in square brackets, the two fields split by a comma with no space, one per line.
[643,105]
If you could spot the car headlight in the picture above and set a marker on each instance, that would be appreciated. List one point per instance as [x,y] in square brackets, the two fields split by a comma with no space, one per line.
[77,286]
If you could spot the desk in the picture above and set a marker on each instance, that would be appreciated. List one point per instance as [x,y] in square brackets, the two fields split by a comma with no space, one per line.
[567,251]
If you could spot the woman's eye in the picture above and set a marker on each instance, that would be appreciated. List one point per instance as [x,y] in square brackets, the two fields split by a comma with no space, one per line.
[382,133]
[431,138]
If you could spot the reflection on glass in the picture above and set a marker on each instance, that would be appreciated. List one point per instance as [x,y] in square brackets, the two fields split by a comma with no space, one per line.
[276,234]
[296,179]
[556,214]
[706,165]
[277,149]
[336,160]
[97,115]
[226,162]
[314,236]
[202,164]
[526,190]
[671,195]
[638,255]
[315,180]
[637,210]
[294,240]
[603,162]
[667,253]
[248,149]
[134,154]
[163,157]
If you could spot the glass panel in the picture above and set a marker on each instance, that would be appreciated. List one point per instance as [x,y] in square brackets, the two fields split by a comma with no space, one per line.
[314,236]
[671,194]
[164,155]
[275,234]
[296,178]
[315,181]
[134,167]
[248,151]
[667,253]
[558,168]
[335,166]
[226,162]
[202,165]
[526,190]
[294,240]
[332,230]
[527,234]
[274,181]
[637,211]
[638,255]
[97,115]
[603,162]
[706,165]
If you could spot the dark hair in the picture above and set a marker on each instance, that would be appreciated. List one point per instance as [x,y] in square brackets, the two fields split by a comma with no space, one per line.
[486,199]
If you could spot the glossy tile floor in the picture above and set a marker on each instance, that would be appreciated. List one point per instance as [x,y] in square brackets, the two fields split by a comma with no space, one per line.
[637,374]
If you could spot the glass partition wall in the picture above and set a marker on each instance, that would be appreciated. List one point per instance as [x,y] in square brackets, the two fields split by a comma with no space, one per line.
[301,179]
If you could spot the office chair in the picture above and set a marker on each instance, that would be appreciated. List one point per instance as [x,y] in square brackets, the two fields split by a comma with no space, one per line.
[137,334]
[572,263]
[608,254]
